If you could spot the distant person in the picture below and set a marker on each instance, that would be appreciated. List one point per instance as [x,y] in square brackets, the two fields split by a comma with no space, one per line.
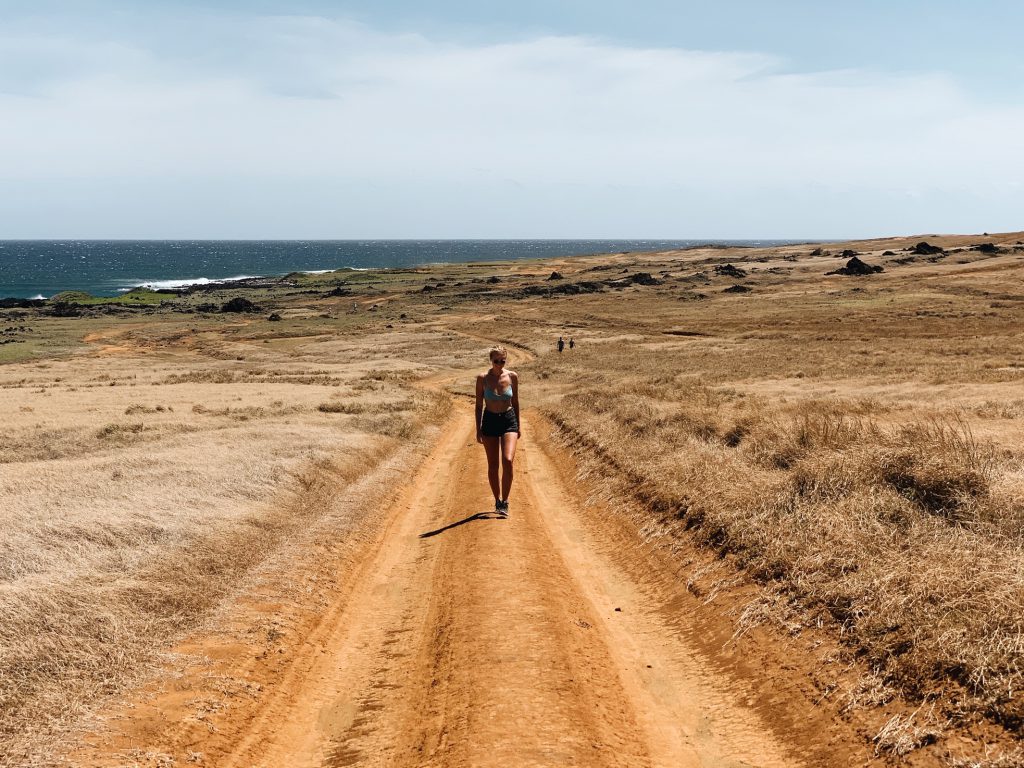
[572,343]
[561,343]
[498,424]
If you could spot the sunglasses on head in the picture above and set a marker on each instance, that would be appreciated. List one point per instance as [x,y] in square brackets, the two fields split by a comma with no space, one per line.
[498,362]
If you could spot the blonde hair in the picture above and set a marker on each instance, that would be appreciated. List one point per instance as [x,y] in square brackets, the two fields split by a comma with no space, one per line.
[496,351]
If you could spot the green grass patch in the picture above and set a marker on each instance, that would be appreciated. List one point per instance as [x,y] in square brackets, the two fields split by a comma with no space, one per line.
[136,297]
[18,351]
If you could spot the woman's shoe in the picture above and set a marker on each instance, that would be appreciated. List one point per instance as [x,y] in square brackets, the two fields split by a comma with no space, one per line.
[503,511]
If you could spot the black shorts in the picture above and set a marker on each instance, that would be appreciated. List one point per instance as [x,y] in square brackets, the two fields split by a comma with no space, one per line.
[497,424]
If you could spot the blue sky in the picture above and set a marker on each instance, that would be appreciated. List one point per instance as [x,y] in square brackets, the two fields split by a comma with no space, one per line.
[528,119]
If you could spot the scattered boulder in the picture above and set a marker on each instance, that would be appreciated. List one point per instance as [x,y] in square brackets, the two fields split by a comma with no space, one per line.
[728,270]
[848,254]
[339,291]
[239,304]
[274,317]
[818,252]
[493,279]
[555,276]
[987,248]
[738,289]
[427,288]
[888,253]
[207,307]
[856,267]
[924,248]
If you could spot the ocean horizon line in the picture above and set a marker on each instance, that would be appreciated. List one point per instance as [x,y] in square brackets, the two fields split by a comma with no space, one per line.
[32,268]
[698,240]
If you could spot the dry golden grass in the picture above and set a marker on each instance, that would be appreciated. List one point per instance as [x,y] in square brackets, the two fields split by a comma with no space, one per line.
[908,537]
[851,443]
[138,492]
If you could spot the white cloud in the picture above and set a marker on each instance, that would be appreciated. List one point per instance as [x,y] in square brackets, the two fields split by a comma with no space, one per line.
[274,106]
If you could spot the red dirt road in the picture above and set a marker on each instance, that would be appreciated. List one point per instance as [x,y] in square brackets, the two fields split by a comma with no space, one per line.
[466,640]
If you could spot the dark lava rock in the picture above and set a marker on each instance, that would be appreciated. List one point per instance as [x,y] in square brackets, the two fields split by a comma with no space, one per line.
[888,253]
[987,248]
[818,252]
[207,308]
[12,303]
[63,309]
[239,304]
[856,267]
[570,289]
[924,248]
[737,289]
[339,291]
[847,254]
[493,279]
[555,276]
[640,278]
[730,271]
[644,278]
[274,318]
[427,289]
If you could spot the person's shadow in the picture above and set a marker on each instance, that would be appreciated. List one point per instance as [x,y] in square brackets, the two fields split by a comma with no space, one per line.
[478,516]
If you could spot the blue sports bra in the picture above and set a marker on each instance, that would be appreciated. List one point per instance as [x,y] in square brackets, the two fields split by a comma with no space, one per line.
[490,394]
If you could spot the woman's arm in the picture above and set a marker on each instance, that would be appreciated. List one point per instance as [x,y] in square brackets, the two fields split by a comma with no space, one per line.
[479,410]
[515,399]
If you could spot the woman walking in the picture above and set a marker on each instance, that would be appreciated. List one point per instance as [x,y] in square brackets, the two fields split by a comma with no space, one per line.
[497,424]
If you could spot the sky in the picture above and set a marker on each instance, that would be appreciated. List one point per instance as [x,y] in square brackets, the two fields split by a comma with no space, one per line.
[571,118]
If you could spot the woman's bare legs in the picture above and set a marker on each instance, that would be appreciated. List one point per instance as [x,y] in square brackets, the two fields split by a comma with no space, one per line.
[492,445]
[508,455]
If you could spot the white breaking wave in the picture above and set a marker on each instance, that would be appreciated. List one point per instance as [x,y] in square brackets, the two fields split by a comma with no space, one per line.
[157,285]
[38,296]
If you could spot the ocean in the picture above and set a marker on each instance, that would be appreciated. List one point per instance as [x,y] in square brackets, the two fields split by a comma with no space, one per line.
[41,268]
